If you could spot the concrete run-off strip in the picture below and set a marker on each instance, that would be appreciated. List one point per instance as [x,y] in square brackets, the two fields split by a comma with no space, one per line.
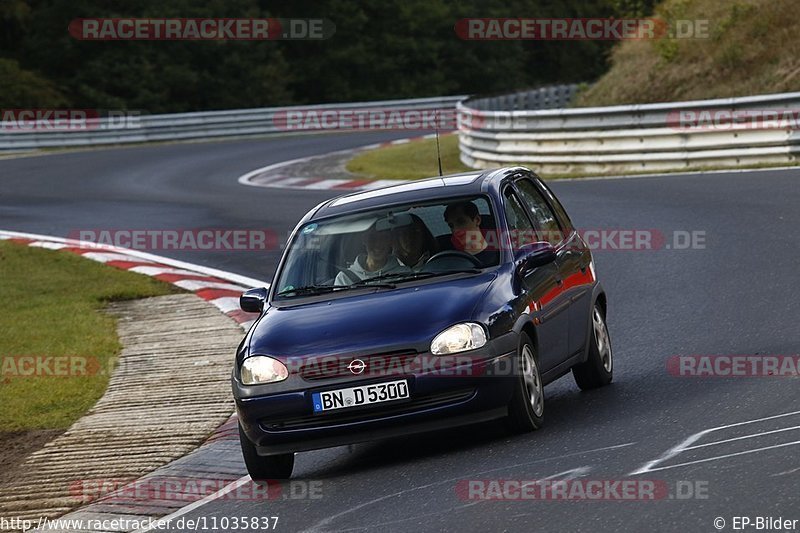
[171,389]
[169,392]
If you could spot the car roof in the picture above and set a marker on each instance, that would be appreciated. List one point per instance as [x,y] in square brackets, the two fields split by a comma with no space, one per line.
[451,185]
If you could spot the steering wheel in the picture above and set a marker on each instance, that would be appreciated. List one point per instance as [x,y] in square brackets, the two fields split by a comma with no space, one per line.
[455,254]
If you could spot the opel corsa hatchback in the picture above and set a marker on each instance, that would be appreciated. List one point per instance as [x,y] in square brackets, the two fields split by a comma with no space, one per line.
[417,307]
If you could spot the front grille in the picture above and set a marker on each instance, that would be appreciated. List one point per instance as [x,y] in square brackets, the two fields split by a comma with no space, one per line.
[392,363]
[368,413]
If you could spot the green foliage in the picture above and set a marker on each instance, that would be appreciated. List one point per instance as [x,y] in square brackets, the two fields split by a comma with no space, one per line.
[380,50]
[633,8]
[24,89]
[744,47]
[667,49]
[738,13]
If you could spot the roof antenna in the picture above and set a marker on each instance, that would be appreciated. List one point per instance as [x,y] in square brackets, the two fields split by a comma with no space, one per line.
[438,150]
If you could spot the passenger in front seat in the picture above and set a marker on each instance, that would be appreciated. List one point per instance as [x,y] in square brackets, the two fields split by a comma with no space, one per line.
[378,260]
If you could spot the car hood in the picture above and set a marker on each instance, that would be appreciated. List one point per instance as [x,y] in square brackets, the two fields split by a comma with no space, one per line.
[406,318]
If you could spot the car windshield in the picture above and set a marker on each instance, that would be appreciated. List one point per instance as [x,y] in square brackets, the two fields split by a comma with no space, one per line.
[389,245]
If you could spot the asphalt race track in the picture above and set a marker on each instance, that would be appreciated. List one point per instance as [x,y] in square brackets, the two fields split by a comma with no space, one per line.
[739,294]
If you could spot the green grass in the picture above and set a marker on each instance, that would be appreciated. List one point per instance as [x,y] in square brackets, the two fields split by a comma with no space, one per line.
[751,48]
[50,305]
[409,161]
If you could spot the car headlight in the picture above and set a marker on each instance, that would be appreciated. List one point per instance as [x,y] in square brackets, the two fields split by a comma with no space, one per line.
[459,338]
[260,369]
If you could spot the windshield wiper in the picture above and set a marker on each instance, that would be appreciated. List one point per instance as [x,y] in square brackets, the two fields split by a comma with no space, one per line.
[322,289]
[394,276]
[368,282]
[409,276]
[311,289]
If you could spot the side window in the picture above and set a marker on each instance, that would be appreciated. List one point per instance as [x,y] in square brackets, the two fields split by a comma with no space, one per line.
[540,212]
[563,217]
[519,225]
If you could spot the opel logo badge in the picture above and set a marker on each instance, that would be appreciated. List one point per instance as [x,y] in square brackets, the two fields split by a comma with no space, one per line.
[357,366]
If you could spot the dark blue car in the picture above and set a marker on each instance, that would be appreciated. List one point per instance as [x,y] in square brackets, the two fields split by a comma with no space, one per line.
[416,307]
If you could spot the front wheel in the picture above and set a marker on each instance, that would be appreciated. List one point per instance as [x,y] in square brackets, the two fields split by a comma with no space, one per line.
[526,410]
[598,370]
[263,468]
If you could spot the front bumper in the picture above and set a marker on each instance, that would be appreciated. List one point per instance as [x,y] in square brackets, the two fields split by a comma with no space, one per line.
[284,422]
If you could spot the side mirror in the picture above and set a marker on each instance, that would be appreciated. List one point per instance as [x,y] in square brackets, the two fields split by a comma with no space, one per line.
[253,301]
[531,256]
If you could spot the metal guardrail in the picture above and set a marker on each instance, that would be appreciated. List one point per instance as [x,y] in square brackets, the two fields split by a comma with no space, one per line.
[636,138]
[553,97]
[201,125]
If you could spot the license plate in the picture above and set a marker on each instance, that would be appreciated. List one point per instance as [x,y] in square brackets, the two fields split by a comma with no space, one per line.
[362,395]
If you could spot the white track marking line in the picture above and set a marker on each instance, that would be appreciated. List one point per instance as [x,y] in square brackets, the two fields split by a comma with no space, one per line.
[285,182]
[380,183]
[669,454]
[105,257]
[765,448]
[562,477]
[48,245]
[155,271]
[325,184]
[226,304]
[754,435]
[243,480]
[247,179]
[198,269]
[787,472]
[194,285]
[675,450]
[194,505]
[323,523]
[571,474]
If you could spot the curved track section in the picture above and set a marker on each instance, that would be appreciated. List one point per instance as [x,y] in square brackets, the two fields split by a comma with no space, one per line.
[733,440]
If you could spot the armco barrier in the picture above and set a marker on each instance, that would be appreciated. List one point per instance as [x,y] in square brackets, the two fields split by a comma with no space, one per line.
[201,125]
[635,138]
[551,97]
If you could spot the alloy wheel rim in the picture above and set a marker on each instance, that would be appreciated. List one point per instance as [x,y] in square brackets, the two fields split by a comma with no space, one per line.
[602,340]
[533,385]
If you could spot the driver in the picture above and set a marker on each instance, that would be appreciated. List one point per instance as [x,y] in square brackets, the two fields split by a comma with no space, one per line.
[376,262]
[414,244]
[465,224]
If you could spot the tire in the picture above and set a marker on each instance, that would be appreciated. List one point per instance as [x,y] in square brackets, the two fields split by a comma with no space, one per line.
[526,410]
[598,369]
[263,468]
